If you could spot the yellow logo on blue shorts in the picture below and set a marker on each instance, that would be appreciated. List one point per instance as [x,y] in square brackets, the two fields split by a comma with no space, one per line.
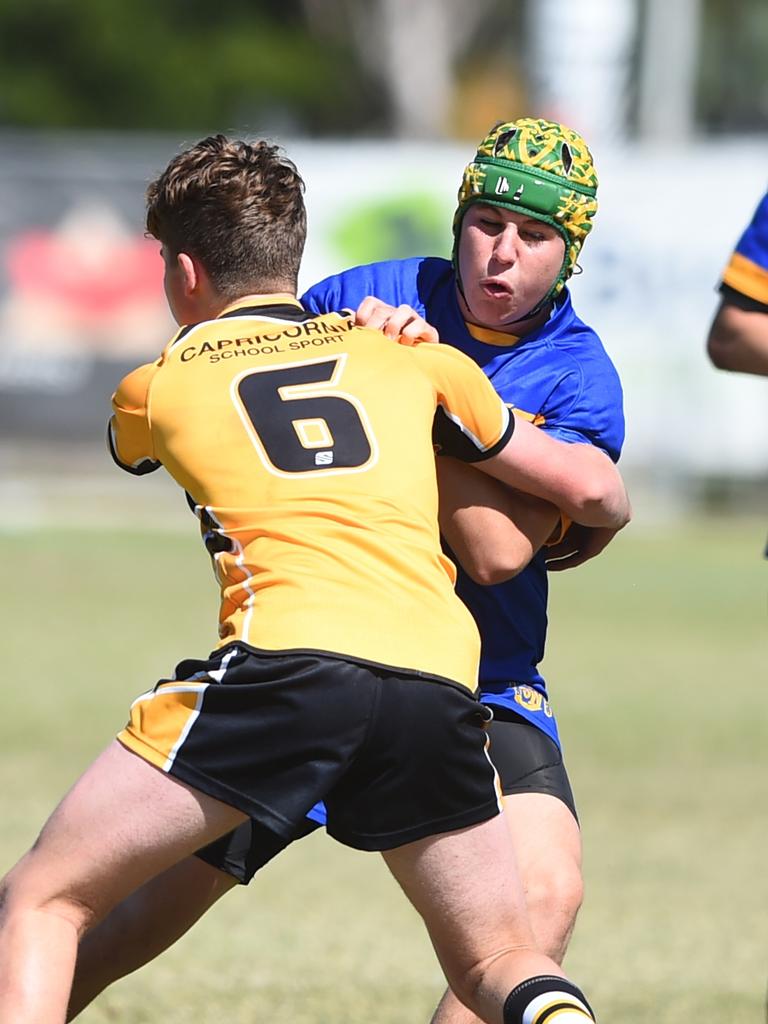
[531,699]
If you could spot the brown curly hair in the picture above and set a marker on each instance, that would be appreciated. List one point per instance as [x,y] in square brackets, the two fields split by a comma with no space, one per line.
[238,207]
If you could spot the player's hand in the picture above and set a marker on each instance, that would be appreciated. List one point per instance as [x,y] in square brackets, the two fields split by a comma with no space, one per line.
[578,545]
[401,323]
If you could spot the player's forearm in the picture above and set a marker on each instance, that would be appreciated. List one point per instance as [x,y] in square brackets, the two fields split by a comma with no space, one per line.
[492,530]
[578,478]
[738,340]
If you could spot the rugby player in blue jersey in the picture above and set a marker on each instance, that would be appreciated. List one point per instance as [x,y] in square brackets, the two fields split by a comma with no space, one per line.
[738,337]
[526,204]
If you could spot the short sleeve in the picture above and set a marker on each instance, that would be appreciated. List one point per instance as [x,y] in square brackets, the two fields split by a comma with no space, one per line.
[472,423]
[747,268]
[586,407]
[130,435]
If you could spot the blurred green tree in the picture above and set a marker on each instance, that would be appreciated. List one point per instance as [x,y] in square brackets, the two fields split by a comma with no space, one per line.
[733,87]
[178,65]
[426,69]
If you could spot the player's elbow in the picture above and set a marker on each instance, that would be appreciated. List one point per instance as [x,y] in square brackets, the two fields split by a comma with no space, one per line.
[488,576]
[593,492]
[602,501]
[720,350]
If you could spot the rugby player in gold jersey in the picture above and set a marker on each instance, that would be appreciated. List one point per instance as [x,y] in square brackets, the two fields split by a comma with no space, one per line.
[346,666]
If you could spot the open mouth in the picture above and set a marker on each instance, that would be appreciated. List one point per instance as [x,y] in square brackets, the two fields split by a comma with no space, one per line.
[495,289]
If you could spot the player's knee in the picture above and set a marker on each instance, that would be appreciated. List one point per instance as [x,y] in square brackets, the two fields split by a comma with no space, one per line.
[559,887]
[20,895]
[78,913]
[553,896]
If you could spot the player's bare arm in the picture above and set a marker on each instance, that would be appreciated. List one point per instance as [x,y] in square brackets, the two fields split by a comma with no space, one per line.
[738,340]
[401,323]
[597,499]
[579,479]
[493,530]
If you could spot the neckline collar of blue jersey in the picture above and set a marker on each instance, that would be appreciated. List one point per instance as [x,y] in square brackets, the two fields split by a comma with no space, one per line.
[501,339]
[280,306]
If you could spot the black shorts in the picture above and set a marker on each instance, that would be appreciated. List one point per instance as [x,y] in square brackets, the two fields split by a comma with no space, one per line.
[527,761]
[395,756]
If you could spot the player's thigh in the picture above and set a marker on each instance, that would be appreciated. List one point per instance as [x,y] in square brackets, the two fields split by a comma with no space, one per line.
[538,802]
[546,838]
[466,887]
[122,823]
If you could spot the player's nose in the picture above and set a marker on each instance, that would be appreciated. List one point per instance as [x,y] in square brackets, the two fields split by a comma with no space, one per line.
[507,242]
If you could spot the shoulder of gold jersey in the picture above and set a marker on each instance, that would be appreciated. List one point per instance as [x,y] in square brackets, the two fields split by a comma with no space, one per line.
[447,359]
[132,392]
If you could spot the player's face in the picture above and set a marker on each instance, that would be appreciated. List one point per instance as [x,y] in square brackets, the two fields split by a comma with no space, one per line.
[508,262]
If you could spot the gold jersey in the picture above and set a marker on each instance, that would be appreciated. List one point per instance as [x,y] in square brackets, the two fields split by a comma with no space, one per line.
[306,446]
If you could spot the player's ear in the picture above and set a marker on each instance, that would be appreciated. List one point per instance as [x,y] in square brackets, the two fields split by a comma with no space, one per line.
[189,269]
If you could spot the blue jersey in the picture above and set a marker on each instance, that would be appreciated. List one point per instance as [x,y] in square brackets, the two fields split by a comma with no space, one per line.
[561,376]
[747,269]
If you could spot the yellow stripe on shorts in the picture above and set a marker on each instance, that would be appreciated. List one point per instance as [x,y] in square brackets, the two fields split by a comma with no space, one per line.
[160,721]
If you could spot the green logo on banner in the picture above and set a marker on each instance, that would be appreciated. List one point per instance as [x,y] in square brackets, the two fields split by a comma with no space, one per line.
[393,228]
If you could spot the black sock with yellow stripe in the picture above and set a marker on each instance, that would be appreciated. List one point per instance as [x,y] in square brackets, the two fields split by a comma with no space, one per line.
[547,999]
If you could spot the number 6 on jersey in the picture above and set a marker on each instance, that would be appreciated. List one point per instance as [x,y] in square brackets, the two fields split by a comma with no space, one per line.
[300,422]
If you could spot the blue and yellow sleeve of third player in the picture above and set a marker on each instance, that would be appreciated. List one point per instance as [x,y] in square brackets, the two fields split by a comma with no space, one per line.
[747,278]
[747,269]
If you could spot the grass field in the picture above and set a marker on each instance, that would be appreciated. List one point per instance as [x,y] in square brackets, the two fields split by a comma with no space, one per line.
[658,667]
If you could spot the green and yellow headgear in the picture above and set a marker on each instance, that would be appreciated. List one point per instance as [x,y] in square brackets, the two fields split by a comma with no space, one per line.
[542,169]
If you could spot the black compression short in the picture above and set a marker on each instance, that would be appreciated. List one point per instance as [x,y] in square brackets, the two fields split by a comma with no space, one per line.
[527,760]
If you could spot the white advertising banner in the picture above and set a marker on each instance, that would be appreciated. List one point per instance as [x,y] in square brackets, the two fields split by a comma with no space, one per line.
[81,288]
